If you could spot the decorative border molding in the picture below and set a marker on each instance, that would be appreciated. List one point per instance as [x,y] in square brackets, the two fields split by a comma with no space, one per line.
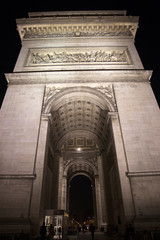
[81,13]
[143,174]
[77,24]
[77,30]
[97,76]
[17,176]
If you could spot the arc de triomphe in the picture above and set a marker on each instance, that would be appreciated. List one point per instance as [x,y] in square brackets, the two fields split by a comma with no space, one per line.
[79,102]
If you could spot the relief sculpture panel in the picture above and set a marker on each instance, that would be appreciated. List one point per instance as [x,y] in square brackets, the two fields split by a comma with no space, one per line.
[61,56]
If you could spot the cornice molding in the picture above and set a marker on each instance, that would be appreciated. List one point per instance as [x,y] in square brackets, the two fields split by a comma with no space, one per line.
[100,13]
[18,176]
[95,30]
[77,26]
[98,76]
[143,174]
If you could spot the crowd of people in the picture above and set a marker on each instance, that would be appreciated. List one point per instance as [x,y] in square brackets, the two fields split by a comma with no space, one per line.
[51,231]
[129,233]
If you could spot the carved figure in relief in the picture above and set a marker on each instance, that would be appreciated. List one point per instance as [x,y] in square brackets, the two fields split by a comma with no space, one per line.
[107,90]
[50,92]
[77,57]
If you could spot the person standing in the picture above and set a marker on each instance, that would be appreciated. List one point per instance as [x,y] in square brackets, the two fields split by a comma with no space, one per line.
[43,231]
[92,229]
[59,232]
[51,232]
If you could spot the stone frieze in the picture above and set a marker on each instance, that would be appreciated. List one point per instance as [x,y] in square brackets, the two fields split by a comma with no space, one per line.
[61,56]
[53,31]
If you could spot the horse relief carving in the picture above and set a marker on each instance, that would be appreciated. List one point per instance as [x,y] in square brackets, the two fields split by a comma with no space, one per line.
[43,58]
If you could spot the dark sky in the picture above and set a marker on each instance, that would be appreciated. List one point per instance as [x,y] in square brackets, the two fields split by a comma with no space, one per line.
[147,39]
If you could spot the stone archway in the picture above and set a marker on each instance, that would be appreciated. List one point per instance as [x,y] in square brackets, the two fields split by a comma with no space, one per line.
[82,160]
[86,110]
[80,126]
[86,166]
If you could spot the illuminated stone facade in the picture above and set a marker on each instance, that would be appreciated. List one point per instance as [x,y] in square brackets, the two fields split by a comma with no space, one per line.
[79,102]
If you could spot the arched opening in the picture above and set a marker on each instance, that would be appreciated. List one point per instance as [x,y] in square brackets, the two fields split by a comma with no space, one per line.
[81,199]
[81,146]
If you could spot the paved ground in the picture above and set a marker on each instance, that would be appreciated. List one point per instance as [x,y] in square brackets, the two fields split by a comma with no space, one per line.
[97,236]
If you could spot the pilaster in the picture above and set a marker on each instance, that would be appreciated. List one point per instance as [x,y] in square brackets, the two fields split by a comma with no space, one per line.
[98,202]
[64,193]
[102,190]
[60,184]
[127,203]
[38,187]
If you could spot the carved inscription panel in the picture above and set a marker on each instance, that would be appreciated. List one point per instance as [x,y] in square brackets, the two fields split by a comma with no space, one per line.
[69,56]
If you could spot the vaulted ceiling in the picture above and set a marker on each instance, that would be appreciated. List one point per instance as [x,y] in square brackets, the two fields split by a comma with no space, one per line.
[79,118]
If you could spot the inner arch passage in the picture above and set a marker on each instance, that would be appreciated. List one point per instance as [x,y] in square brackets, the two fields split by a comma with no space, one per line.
[81,198]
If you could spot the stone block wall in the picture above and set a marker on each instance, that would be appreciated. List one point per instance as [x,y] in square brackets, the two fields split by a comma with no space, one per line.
[19,128]
[139,118]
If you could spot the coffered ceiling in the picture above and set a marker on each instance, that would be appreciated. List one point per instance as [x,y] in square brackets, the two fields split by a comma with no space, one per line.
[81,117]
